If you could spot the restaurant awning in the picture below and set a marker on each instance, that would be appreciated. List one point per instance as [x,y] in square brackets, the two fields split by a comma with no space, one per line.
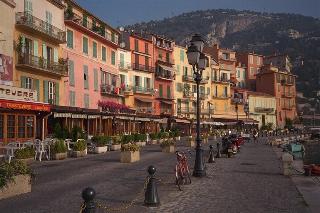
[61,115]
[144,100]
[78,116]
[142,119]
[166,102]
[93,116]
[214,123]
[125,118]
[177,120]
[106,117]
[166,67]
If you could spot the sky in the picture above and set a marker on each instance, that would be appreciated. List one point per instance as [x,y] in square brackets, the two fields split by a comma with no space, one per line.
[125,12]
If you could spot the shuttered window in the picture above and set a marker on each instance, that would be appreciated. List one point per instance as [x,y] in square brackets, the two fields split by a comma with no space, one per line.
[94,49]
[70,39]
[72,98]
[85,77]
[86,101]
[71,73]
[113,57]
[160,91]
[85,45]
[168,91]
[103,54]
[181,55]
[95,76]
[179,87]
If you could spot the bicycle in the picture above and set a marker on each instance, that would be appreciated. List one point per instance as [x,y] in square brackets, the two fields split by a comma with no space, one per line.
[182,170]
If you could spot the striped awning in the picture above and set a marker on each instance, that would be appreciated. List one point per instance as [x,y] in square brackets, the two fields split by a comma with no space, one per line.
[61,115]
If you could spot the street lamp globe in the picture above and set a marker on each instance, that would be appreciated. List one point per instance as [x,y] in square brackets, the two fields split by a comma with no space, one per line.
[193,55]
[202,62]
[198,41]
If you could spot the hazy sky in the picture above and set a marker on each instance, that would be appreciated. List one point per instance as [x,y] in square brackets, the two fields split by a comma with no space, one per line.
[123,12]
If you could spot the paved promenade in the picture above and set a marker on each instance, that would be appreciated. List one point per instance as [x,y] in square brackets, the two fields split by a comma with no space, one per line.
[249,182]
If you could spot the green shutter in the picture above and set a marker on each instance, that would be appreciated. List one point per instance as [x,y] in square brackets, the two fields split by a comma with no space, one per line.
[85,45]
[71,73]
[85,20]
[122,60]
[23,82]
[95,73]
[94,49]
[178,69]
[44,51]
[181,55]
[160,90]
[55,55]
[37,88]
[113,58]
[57,94]
[168,91]
[35,48]
[45,92]
[133,81]
[145,82]
[69,39]
[85,73]
[103,54]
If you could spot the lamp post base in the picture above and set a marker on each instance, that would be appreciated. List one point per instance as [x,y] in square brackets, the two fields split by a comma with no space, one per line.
[199,166]
[199,173]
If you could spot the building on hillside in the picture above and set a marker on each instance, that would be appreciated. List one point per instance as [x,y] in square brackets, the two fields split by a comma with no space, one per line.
[164,75]
[262,108]
[253,63]
[281,84]
[280,61]
[91,48]
[241,80]
[40,67]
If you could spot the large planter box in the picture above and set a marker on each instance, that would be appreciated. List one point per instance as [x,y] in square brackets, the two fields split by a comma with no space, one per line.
[77,154]
[27,160]
[60,156]
[101,149]
[178,138]
[205,140]
[20,185]
[154,142]
[115,147]
[160,141]
[191,143]
[129,157]
[168,149]
[140,143]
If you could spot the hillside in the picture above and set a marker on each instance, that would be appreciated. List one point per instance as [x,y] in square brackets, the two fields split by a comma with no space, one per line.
[264,33]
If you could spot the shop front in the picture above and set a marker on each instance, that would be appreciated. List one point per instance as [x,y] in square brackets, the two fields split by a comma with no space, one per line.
[22,118]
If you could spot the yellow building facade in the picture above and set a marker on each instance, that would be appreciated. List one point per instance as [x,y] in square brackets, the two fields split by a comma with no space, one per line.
[185,88]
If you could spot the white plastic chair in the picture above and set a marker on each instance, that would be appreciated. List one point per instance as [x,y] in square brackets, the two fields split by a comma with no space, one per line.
[67,142]
[40,150]
[10,152]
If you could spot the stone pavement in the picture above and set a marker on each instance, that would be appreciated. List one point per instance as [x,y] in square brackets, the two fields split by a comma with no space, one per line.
[249,182]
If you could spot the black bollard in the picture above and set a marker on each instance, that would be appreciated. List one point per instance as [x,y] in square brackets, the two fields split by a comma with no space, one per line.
[151,197]
[211,158]
[88,195]
[218,155]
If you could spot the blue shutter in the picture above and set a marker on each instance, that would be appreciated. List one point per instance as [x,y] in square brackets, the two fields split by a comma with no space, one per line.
[71,73]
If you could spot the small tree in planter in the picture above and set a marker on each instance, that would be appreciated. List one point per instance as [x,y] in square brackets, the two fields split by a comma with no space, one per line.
[190,141]
[100,143]
[116,142]
[168,146]
[140,139]
[15,179]
[79,148]
[59,150]
[25,154]
[130,153]
[153,137]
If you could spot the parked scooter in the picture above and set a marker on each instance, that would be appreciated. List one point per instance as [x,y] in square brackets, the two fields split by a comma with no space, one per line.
[228,147]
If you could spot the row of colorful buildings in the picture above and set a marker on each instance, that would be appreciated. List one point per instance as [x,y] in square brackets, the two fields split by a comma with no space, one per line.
[61,64]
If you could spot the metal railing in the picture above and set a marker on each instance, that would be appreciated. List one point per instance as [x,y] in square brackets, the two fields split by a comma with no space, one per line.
[142,67]
[205,80]
[166,111]
[39,63]
[188,78]
[144,110]
[165,74]
[139,89]
[100,30]
[166,60]
[186,110]
[26,19]
[167,96]
[108,89]
[125,66]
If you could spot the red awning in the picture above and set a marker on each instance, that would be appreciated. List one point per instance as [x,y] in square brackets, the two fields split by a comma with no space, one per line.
[167,102]
[144,100]
[20,105]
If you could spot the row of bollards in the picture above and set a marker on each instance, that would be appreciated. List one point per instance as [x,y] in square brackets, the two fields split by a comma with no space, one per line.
[151,197]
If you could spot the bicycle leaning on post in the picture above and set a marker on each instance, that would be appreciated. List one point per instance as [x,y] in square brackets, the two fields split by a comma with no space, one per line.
[182,170]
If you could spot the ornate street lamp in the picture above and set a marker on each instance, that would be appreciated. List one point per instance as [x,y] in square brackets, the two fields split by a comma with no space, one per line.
[199,62]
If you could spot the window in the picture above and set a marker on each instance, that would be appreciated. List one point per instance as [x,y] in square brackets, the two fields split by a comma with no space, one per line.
[216,91]
[146,47]
[251,59]
[208,91]
[252,71]
[225,92]
[85,20]
[122,60]
[160,91]
[136,45]
[28,7]
[148,83]
[70,39]
[167,58]
[181,55]
[48,24]
[113,37]
[113,57]
[72,98]
[194,88]
[168,91]
[86,101]
[11,126]
[238,73]
[94,49]
[85,45]
[71,73]
[226,56]
[51,92]
[185,71]
[179,87]
[95,79]
[147,63]
[21,126]
[104,54]
[30,126]
[28,83]
[85,77]
[258,60]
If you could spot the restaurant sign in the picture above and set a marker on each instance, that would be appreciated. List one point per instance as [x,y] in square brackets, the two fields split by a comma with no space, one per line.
[24,105]
[17,93]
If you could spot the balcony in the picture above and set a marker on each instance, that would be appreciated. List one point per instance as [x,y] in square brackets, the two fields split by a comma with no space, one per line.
[144,68]
[124,66]
[164,45]
[188,78]
[107,89]
[205,80]
[189,94]
[207,111]
[165,61]
[263,110]
[36,63]
[144,110]
[203,96]
[164,111]
[36,25]
[143,90]
[185,110]
[238,101]
[90,27]
[220,97]
[164,74]
[169,97]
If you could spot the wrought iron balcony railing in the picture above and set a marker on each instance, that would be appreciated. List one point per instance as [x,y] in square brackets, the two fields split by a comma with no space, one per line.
[35,24]
[107,89]
[39,63]
[142,67]
[165,75]
[147,110]
[146,90]
[188,78]
[125,66]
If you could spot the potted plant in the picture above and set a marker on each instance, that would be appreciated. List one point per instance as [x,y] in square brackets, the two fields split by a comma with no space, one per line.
[79,148]
[168,146]
[190,141]
[153,137]
[130,153]
[101,144]
[140,139]
[116,143]
[59,150]
[25,154]
[15,179]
